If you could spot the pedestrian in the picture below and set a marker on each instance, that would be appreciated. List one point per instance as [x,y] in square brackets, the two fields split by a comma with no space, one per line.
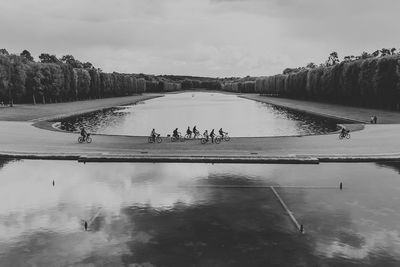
[375,119]
[372,119]
[86,225]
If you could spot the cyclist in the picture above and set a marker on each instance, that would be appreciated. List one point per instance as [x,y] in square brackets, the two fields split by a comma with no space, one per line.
[175,133]
[153,135]
[84,134]
[221,133]
[195,131]
[189,132]
[212,134]
[205,134]
[344,132]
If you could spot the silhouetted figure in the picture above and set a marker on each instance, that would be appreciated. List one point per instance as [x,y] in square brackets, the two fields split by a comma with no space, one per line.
[301,228]
[86,225]
[54,183]
[375,119]
[212,135]
[341,186]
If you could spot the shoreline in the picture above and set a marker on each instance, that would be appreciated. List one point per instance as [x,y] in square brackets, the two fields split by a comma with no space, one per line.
[375,143]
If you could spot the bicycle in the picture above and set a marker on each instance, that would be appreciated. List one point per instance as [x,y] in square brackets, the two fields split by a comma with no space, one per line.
[225,138]
[196,135]
[188,136]
[178,138]
[204,140]
[157,139]
[87,139]
[345,135]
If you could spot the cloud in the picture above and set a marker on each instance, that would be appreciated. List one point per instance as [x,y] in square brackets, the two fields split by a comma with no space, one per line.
[211,38]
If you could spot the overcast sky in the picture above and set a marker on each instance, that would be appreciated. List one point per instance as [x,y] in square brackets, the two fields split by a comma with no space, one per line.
[214,38]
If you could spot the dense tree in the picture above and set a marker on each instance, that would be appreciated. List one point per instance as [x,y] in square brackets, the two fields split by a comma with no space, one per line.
[311,65]
[26,54]
[4,51]
[47,58]
[87,65]
[69,59]
[332,59]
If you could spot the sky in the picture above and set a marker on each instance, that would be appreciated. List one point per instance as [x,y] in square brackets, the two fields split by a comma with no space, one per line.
[214,38]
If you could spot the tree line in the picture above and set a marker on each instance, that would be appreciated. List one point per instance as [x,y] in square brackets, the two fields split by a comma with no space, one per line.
[371,80]
[22,80]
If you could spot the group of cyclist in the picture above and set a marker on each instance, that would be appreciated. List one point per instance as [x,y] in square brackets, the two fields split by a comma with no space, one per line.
[191,132]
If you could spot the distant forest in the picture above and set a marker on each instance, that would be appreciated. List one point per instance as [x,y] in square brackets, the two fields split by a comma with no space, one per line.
[369,80]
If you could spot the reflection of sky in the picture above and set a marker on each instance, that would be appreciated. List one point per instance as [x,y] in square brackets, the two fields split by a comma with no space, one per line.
[358,223]
[238,116]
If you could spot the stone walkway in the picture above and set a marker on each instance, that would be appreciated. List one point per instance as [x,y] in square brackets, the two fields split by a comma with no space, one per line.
[330,110]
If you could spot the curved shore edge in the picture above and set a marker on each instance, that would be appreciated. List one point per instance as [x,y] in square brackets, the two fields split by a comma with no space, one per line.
[375,143]
[350,124]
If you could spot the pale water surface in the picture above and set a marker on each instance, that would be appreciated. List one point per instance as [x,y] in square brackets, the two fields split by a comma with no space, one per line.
[187,215]
[238,116]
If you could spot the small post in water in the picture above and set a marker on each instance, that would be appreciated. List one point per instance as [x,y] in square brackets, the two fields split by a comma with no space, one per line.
[301,228]
[341,186]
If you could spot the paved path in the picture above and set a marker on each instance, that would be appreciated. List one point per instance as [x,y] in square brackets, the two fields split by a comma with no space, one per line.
[329,110]
[375,142]
[39,112]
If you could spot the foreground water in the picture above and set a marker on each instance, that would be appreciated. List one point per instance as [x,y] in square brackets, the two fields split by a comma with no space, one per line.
[188,215]
[238,116]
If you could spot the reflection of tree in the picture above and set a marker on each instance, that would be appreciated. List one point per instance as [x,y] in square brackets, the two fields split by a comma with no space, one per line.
[4,162]
[308,123]
[94,122]
[395,165]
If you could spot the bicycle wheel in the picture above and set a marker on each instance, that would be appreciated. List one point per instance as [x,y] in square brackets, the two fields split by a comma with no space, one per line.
[203,140]
[227,138]
[187,136]
[80,139]
[159,139]
[340,136]
[217,140]
[88,140]
[150,139]
[173,139]
[348,136]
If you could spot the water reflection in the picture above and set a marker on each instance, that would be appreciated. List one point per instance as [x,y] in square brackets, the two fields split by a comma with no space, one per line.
[238,116]
[162,214]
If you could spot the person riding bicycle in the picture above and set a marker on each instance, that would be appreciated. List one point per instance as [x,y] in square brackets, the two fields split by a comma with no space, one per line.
[205,134]
[344,132]
[212,134]
[189,132]
[84,134]
[154,134]
[222,133]
[175,133]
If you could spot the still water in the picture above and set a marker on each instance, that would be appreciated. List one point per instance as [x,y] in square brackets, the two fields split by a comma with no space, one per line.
[238,116]
[182,215]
